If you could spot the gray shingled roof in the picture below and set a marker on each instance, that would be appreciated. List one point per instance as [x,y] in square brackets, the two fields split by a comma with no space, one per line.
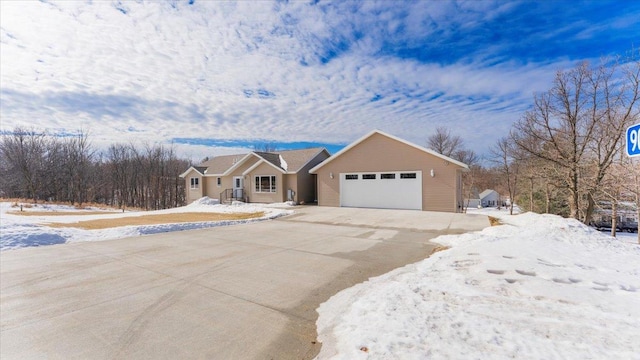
[273,158]
[295,160]
[220,164]
[200,169]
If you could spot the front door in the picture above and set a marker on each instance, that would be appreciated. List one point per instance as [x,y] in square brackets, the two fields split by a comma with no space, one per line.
[238,186]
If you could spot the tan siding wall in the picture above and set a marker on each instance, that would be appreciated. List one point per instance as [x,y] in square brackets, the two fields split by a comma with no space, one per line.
[250,185]
[307,182]
[212,189]
[227,181]
[290,182]
[193,194]
[380,153]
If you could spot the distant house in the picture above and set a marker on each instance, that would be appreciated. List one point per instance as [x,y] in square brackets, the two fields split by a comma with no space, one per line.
[383,171]
[487,198]
[262,177]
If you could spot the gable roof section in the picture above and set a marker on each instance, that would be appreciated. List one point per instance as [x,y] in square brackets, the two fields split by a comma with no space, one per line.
[355,143]
[220,164]
[486,193]
[237,163]
[263,161]
[271,158]
[287,161]
[298,159]
[200,169]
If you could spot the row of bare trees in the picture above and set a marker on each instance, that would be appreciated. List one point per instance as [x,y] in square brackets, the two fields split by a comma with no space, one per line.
[565,155]
[575,131]
[42,167]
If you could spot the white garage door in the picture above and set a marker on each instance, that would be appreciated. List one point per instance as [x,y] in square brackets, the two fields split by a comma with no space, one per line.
[384,190]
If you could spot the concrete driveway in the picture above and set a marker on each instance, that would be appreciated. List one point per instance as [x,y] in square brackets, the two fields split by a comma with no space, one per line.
[237,292]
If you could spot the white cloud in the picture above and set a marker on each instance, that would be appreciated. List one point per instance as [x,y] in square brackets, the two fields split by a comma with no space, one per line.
[253,70]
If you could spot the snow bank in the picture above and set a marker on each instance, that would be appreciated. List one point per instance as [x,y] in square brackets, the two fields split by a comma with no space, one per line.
[539,286]
[18,231]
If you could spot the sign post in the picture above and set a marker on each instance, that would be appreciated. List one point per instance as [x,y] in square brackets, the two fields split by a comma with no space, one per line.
[633,140]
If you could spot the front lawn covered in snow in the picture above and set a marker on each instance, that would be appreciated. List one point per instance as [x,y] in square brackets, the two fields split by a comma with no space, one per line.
[50,224]
[539,287]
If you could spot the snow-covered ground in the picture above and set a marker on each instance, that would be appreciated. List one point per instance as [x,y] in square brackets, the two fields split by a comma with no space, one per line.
[18,231]
[537,287]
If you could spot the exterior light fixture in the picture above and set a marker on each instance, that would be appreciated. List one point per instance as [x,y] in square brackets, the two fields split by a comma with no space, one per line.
[433,173]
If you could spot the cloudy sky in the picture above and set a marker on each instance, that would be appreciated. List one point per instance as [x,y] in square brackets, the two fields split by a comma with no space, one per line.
[216,77]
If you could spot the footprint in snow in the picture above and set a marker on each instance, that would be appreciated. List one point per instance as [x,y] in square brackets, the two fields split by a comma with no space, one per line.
[566,281]
[561,281]
[628,288]
[527,273]
[465,263]
[585,267]
[548,263]
[601,286]
[508,257]
[496,272]
[511,281]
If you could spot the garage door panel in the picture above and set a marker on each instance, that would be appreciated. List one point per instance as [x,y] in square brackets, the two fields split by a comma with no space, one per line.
[386,190]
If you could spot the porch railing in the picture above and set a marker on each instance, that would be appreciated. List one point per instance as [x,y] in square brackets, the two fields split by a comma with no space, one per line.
[229,195]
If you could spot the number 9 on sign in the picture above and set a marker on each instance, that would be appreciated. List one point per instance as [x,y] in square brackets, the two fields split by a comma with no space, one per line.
[633,140]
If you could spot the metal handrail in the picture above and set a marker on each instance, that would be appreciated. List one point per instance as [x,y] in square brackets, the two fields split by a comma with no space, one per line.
[230,194]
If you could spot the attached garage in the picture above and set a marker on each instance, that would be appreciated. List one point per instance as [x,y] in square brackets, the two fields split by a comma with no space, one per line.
[382,190]
[383,171]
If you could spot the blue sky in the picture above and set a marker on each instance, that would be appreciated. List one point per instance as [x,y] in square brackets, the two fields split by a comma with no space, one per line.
[215,77]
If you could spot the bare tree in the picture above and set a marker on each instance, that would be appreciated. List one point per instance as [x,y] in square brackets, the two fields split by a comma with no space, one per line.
[76,166]
[504,153]
[577,127]
[265,147]
[24,153]
[444,143]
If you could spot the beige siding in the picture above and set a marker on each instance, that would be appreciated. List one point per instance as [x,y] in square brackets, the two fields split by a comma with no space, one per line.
[194,194]
[264,197]
[211,188]
[379,153]
[307,183]
[290,182]
[213,191]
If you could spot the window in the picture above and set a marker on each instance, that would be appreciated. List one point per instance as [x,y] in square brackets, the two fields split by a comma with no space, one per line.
[266,184]
[387,176]
[195,183]
[408,176]
[219,180]
[351,177]
[368,176]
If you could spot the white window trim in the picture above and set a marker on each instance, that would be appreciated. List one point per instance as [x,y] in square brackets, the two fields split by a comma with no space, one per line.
[257,188]
[195,185]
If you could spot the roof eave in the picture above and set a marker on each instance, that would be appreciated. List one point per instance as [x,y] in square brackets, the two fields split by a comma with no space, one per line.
[464,166]
[262,161]
[237,164]
[184,174]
